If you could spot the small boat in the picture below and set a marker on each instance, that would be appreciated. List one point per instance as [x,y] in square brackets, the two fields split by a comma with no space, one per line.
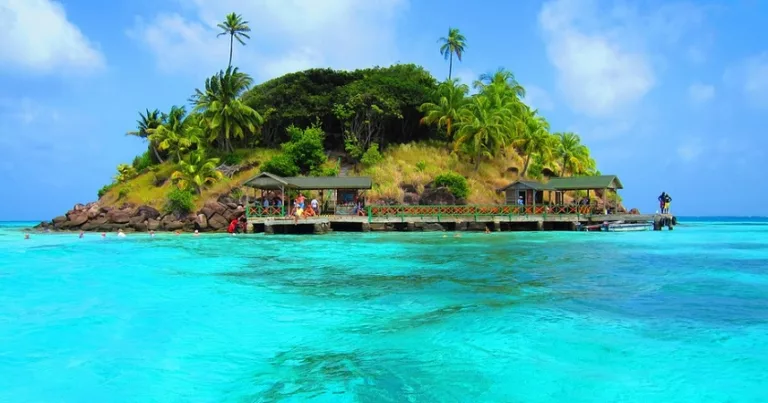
[625,227]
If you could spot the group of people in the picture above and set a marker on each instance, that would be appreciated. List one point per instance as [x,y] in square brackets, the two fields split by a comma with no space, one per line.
[301,209]
[664,201]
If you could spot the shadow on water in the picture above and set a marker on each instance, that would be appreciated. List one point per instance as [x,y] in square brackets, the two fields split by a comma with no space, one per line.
[367,374]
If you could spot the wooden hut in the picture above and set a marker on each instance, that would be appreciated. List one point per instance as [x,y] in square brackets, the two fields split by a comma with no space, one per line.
[528,192]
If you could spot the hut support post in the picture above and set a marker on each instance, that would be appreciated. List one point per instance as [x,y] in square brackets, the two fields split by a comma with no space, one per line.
[605,201]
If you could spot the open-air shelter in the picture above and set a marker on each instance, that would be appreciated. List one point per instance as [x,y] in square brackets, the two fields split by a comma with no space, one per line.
[532,192]
[346,188]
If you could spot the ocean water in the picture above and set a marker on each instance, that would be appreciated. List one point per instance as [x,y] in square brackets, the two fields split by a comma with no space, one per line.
[671,316]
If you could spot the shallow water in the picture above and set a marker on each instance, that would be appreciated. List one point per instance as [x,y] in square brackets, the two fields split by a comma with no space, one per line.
[678,316]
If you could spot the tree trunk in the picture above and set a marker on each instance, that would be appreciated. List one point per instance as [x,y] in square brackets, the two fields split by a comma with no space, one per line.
[525,166]
[477,161]
[231,42]
[450,66]
[565,161]
[157,154]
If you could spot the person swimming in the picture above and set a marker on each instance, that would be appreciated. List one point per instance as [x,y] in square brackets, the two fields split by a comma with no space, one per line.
[103,235]
[120,233]
[82,234]
[26,236]
[197,233]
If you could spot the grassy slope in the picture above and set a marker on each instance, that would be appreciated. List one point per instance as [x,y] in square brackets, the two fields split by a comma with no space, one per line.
[401,166]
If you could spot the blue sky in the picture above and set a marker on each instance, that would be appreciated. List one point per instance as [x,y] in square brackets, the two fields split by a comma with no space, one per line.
[668,95]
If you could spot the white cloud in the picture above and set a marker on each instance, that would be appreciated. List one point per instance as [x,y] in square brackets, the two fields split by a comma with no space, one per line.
[751,77]
[35,36]
[600,70]
[538,98]
[287,36]
[701,93]
[690,149]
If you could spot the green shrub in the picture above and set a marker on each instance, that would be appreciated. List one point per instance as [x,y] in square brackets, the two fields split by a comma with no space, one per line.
[232,159]
[123,193]
[306,147]
[142,162]
[421,166]
[455,183]
[372,156]
[104,189]
[281,165]
[179,201]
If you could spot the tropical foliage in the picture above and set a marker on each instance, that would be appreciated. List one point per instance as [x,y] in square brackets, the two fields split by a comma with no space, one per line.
[236,28]
[453,44]
[196,171]
[363,114]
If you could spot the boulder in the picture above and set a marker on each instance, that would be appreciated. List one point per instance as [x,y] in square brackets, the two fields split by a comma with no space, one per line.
[217,222]
[119,216]
[212,207]
[232,206]
[59,220]
[76,220]
[224,199]
[141,226]
[202,220]
[153,224]
[147,212]
[94,224]
[411,198]
[439,196]
[94,211]
[172,225]
[408,188]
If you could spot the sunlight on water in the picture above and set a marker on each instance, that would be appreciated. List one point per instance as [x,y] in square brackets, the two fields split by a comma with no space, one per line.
[678,316]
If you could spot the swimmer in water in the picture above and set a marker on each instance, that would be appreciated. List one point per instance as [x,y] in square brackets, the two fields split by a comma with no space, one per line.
[177,232]
[26,236]
[487,231]
[103,235]
[82,234]
[151,233]
[197,233]
[120,233]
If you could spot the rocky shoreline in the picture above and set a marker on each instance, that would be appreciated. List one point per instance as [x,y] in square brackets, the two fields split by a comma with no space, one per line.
[215,215]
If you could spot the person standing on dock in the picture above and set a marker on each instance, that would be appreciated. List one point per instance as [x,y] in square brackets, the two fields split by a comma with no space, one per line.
[667,202]
[661,199]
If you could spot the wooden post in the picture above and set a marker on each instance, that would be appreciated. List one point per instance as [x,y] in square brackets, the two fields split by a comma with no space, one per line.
[605,201]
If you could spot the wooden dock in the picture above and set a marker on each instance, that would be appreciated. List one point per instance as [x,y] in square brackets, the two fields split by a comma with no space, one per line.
[538,222]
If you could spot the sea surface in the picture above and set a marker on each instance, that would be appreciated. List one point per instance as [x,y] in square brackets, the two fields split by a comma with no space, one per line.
[671,316]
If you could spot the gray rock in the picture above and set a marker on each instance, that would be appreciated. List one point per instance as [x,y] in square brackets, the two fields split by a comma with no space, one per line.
[217,222]
[439,196]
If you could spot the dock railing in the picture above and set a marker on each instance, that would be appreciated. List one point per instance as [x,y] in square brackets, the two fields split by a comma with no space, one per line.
[494,210]
[476,211]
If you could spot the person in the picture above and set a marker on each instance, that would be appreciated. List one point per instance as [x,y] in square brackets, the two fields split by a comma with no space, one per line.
[232,226]
[151,233]
[315,206]
[177,232]
[120,233]
[487,230]
[520,200]
[197,233]
[26,236]
[266,202]
[300,200]
[667,202]
[661,199]
[298,212]
[82,234]
[103,235]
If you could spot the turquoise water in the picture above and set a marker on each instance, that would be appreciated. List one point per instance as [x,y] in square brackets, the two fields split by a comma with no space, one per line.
[678,316]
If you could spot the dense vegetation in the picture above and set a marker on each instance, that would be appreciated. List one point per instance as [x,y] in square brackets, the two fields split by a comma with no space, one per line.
[362,115]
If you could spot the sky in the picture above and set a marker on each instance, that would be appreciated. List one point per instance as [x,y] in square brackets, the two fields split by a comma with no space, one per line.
[670,96]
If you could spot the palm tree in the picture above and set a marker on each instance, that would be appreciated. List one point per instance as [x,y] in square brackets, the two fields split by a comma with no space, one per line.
[196,171]
[124,173]
[224,112]
[501,79]
[534,138]
[483,130]
[149,121]
[236,28]
[451,100]
[573,153]
[455,43]
[177,134]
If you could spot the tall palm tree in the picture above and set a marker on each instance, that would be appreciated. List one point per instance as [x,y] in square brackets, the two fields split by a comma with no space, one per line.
[177,134]
[451,99]
[454,43]
[534,138]
[483,129]
[196,171]
[573,154]
[224,112]
[236,28]
[148,121]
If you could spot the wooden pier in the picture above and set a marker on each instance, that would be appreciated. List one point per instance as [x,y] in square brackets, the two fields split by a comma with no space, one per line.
[532,222]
